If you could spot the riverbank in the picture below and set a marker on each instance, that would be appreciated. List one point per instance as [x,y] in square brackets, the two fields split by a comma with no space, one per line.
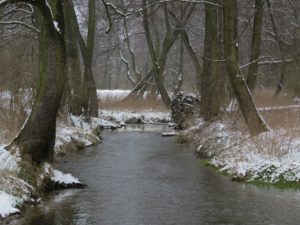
[73,134]
[270,158]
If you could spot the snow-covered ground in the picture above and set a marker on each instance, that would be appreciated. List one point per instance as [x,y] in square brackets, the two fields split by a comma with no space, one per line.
[269,157]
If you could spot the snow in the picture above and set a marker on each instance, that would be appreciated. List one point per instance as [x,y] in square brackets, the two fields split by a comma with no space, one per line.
[8,162]
[266,109]
[60,177]
[77,129]
[8,204]
[145,117]
[13,193]
[269,157]
[55,23]
[2,1]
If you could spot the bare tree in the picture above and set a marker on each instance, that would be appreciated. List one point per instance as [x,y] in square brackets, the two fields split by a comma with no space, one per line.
[36,139]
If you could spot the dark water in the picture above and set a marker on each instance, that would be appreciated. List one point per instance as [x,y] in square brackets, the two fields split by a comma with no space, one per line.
[138,177]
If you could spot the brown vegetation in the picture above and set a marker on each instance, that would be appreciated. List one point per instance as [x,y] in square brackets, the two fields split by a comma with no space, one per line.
[133,104]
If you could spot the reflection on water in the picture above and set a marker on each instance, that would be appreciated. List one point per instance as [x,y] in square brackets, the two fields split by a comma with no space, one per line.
[142,178]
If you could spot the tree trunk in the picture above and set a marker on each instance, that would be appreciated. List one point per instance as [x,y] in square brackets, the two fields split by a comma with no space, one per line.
[252,118]
[89,100]
[179,81]
[158,70]
[37,138]
[256,40]
[73,61]
[89,85]
[281,49]
[211,88]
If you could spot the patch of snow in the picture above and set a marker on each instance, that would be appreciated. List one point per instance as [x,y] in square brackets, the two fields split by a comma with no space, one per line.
[269,157]
[8,204]
[55,23]
[232,106]
[266,109]
[79,130]
[65,178]
[8,162]
[146,117]
[60,177]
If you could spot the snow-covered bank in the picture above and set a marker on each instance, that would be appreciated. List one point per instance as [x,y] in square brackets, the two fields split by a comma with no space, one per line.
[271,157]
[135,117]
[72,134]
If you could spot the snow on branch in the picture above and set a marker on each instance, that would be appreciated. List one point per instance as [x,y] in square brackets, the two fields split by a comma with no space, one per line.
[108,16]
[266,62]
[2,2]
[274,62]
[20,23]
[267,109]
[115,9]
[127,67]
[187,1]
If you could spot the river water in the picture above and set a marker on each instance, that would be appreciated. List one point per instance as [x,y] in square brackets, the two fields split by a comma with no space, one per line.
[138,177]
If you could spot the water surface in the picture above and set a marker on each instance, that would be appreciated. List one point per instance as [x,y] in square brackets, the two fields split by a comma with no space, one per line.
[138,177]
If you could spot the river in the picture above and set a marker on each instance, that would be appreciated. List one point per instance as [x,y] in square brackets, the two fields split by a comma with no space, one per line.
[138,177]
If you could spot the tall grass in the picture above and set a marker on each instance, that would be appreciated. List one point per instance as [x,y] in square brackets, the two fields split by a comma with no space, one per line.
[132,104]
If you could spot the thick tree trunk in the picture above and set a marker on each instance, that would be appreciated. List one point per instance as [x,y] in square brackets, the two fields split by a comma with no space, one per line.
[211,87]
[252,118]
[36,139]
[89,85]
[256,40]
[73,61]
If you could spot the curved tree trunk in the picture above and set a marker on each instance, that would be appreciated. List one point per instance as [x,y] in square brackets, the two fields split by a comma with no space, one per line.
[36,139]
[252,118]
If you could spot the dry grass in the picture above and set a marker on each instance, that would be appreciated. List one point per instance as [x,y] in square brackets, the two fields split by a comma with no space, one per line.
[285,118]
[10,123]
[265,99]
[12,115]
[284,123]
[133,104]
[278,118]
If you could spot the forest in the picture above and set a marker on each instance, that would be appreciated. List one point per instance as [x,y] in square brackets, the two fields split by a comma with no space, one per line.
[217,77]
